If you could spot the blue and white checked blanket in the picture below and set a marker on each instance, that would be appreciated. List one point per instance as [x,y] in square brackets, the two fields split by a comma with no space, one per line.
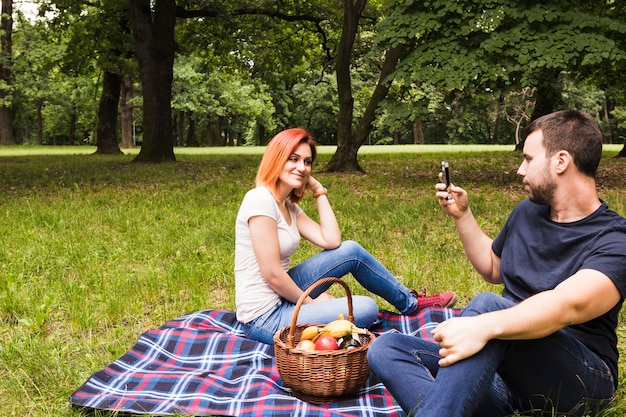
[200,364]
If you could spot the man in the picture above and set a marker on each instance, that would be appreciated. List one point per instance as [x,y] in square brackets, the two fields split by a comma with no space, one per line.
[548,344]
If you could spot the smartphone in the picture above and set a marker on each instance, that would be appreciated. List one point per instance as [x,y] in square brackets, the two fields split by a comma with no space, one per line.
[445,173]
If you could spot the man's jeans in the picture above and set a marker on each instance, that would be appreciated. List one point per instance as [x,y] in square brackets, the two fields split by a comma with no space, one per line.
[349,257]
[555,374]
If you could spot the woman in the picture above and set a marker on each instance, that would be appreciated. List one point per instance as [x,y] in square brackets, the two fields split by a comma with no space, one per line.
[268,230]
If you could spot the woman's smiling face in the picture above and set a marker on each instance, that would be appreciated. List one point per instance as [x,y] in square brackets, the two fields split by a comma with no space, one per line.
[297,169]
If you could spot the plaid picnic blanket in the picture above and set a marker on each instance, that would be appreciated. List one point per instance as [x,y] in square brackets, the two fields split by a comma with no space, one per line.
[199,364]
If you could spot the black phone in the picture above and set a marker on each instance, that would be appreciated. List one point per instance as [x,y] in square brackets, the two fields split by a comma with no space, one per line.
[445,171]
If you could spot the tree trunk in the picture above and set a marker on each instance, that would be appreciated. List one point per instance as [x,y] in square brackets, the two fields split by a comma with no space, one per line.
[345,157]
[220,131]
[418,132]
[180,130]
[106,128]
[548,96]
[210,133]
[155,46]
[191,132]
[231,137]
[396,137]
[126,96]
[261,135]
[496,123]
[7,135]
[26,135]
[40,121]
[72,134]
[607,120]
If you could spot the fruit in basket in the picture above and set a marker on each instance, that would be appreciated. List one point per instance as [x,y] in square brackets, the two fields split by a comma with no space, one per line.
[310,333]
[340,328]
[350,341]
[305,345]
[326,343]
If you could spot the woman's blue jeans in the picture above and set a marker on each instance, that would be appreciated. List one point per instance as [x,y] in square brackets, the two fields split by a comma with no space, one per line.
[349,257]
[554,375]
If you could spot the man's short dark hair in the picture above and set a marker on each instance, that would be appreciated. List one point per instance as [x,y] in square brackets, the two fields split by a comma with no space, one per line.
[573,131]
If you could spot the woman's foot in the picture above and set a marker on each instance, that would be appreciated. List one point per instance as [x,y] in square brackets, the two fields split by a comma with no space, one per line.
[445,299]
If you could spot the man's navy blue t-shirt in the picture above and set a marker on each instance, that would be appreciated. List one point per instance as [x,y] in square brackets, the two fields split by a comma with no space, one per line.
[538,253]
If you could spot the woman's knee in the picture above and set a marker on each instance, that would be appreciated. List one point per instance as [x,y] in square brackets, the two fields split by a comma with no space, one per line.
[350,248]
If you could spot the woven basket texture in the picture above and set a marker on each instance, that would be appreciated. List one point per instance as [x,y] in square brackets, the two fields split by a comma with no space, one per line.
[321,376]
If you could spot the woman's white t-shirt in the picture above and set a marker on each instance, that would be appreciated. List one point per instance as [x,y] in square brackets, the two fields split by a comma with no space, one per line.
[253,296]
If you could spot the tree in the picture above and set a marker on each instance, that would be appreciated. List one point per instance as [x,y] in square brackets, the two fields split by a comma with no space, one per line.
[202,95]
[282,50]
[95,37]
[50,98]
[112,54]
[349,140]
[127,105]
[518,110]
[506,46]
[153,31]
[7,136]
[106,128]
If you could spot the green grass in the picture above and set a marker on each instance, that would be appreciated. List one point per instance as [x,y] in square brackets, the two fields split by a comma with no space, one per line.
[96,249]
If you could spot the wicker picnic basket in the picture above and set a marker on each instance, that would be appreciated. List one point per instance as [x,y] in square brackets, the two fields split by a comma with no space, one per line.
[321,376]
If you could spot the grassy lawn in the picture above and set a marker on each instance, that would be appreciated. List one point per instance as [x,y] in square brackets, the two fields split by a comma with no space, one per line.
[96,249]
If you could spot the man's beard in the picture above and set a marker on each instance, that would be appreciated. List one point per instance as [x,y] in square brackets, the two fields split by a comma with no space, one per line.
[544,192]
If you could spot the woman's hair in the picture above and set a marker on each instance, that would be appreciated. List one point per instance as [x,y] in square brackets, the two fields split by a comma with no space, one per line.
[278,151]
[575,132]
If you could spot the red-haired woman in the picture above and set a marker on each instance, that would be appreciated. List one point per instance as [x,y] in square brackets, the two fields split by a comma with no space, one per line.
[268,230]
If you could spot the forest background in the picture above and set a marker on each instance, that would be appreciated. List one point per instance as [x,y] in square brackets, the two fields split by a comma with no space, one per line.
[166,73]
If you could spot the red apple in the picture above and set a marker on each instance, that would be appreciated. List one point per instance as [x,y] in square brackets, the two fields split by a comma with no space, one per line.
[326,343]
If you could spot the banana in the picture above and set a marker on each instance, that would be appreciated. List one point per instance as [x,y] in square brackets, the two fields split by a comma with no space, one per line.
[310,333]
[340,328]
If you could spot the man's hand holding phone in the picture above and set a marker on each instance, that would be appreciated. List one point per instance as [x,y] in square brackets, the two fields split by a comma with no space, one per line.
[455,203]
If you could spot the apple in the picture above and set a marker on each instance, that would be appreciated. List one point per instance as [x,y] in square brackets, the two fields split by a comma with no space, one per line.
[305,345]
[326,343]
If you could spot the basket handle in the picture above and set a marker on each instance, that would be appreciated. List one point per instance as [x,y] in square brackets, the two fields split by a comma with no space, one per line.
[291,336]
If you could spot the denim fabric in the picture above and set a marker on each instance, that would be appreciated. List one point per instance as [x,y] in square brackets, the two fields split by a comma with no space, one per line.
[555,374]
[349,257]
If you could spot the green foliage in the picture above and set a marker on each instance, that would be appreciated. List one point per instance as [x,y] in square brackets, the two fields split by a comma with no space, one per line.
[251,67]
[40,81]
[316,108]
[501,42]
[207,96]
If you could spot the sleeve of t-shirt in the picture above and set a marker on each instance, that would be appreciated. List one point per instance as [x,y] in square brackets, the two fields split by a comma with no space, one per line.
[296,209]
[609,257]
[497,246]
[258,202]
